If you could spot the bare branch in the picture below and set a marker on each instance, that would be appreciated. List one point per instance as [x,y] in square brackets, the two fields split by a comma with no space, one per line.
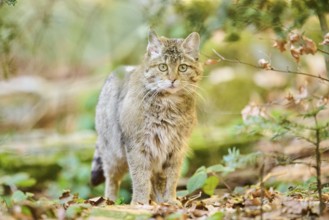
[323,51]
[222,58]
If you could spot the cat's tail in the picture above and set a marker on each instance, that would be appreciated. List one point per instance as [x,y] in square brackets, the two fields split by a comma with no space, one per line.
[97,173]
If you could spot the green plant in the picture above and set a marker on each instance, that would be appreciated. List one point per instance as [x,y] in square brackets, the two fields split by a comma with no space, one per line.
[207,178]
[75,176]
[305,125]
[18,180]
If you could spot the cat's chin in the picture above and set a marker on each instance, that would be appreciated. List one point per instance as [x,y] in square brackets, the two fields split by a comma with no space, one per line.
[171,90]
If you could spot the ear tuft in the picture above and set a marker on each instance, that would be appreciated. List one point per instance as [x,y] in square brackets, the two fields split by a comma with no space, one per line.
[191,45]
[154,45]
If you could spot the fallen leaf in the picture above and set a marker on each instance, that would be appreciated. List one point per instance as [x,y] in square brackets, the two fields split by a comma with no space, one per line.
[65,194]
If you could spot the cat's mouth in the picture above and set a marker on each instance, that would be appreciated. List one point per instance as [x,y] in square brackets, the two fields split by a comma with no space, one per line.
[172,89]
[168,86]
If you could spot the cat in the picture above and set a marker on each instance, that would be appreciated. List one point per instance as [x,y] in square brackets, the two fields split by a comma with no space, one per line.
[144,117]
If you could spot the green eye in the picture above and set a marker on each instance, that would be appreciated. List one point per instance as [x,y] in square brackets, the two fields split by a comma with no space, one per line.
[182,68]
[163,67]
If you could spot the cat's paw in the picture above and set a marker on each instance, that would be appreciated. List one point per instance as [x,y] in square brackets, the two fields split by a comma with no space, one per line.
[137,202]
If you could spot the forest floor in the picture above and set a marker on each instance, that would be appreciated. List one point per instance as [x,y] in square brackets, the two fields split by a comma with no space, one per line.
[250,203]
[239,201]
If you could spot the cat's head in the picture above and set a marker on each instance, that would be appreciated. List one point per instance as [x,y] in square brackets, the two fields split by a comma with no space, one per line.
[172,65]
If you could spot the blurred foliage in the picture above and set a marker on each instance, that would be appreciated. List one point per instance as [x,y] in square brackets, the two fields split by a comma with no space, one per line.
[306,189]
[74,175]
[280,16]
[8,2]
[65,50]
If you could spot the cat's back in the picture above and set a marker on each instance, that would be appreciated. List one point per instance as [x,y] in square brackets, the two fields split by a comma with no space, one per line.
[112,92]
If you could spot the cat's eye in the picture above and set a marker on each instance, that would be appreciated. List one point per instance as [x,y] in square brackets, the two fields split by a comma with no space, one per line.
[163,67]
[182,68]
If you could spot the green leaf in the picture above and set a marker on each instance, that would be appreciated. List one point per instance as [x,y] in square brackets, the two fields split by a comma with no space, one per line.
[216,216]
[197,180]
[175,216]
[75,210]
[182,193]
[18,196]
[27,183]
[185,167]
[201,170]
[18,180]
[210,185]
[216,168]
[119,201]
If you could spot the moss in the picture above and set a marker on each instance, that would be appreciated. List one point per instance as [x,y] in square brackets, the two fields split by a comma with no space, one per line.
[42,166]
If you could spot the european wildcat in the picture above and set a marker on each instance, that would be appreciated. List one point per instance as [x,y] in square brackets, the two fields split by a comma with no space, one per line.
[144,117]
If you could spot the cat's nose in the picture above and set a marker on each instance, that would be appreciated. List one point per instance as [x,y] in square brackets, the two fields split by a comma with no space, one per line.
[172,82]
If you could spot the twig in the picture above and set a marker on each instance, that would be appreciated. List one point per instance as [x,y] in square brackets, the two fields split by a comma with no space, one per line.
[269,175]
[262,170]
[221,58]
[323,51]
[192,198]
[303,163]
[318,165]
[306,139]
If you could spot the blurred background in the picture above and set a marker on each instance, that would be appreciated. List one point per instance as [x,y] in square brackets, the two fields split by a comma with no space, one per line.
[56,54]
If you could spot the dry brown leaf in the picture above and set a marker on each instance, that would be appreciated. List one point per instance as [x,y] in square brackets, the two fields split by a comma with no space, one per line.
[302,94]
[289,97]
[294,37]
[211,62]
[280,44]
[253,202]
[264,64]
[296,52]
[322,101]
[325,40]
[309,47]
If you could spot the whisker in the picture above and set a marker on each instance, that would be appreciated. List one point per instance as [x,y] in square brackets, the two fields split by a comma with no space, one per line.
[201,108]
[144,97]
[198,87]
[193,91]
[152,97]
[195,88]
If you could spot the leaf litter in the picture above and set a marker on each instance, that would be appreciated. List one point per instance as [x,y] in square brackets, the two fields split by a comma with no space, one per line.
[243,203]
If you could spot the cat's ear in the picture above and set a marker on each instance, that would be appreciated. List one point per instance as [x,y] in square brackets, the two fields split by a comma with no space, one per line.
[191,45]
[154,45]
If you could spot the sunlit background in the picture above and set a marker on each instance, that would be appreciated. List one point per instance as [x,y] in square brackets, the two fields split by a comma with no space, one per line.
[55,56]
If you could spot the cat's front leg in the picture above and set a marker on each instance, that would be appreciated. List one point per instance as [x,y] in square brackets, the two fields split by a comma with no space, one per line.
[140,171]
[171,170]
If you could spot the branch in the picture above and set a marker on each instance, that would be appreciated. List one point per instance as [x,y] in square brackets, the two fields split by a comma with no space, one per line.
[221,58]
[323,51]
